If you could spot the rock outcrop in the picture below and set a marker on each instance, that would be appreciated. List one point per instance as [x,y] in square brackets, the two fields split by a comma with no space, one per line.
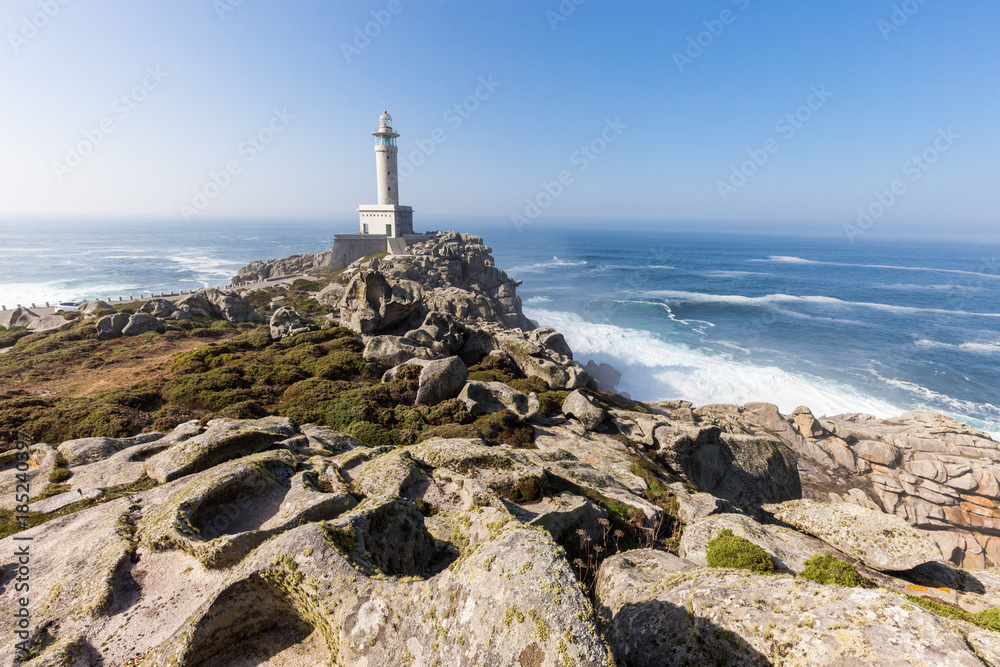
[660,610]
[937,474]
[449,273]
[215,303]
[275,268]
[287,322]
[881,542]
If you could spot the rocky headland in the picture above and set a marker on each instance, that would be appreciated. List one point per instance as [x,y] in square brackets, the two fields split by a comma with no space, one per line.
[391,465]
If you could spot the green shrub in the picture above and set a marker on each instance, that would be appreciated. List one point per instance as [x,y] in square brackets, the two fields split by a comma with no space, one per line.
[505,428]
[832,571]
[59,475]
[257,339]
[339,365]
[730,551]
[244,410]
[309,285]
[371,434]
[988,619]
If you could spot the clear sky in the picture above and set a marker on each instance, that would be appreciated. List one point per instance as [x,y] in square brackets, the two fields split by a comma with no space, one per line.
[741,112]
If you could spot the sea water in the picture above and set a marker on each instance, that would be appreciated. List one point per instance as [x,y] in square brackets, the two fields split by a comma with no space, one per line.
[873,326]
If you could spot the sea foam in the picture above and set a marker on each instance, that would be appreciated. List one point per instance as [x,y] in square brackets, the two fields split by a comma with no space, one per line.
[654,369]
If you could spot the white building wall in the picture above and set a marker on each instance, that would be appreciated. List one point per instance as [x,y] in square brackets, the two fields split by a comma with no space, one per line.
[387,176]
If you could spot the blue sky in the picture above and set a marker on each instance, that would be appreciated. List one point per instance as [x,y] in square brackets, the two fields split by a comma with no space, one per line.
[886,80]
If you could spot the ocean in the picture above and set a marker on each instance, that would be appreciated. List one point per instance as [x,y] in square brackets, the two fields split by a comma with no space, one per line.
[873,326]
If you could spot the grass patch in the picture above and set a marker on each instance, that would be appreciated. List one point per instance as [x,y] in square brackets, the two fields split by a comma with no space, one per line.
[831,571]
[988,619]
[730,551]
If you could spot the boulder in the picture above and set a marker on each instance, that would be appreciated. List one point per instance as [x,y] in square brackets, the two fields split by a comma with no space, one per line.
[164,310]
[48,322]
[440,380]
[88,307]
[658,613]
[440,332]
[582,407]
[19,317]
[490,397]
[286,321]
[224,439]
[389,351]
[371,304]
[111,326]
[693,506]
[536,360]
[508,472]
[874,451]
[881,541]
[215,303]
[331,295]
[89,450]
[141,323]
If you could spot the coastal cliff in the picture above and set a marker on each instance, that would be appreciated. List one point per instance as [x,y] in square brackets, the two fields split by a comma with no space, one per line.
[391,465]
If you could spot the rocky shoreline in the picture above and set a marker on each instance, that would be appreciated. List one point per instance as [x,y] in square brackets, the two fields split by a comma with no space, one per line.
[393,466]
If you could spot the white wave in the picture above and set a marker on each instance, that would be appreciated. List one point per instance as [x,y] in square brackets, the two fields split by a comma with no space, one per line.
[208,270]
[634,267]
[783,259]
[537,301]
[54,291]
[928,288]
[541,266]
[654,369]
[929,398]
[734,274]
[737,299]
[976,348]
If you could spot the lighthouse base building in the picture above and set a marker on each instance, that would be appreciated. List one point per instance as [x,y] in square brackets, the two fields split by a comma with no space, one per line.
[386,226]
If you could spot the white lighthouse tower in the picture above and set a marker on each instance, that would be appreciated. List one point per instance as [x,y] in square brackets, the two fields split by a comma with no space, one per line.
[386,217]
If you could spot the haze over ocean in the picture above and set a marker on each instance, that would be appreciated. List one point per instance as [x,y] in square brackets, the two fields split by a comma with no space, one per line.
[877,326]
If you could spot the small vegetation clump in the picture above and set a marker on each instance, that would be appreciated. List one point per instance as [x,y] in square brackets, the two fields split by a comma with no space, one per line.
[733,552]
[832,571]
[988,619]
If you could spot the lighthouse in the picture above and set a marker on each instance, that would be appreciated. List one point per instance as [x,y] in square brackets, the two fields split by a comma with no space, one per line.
[387,217]
[386,227]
